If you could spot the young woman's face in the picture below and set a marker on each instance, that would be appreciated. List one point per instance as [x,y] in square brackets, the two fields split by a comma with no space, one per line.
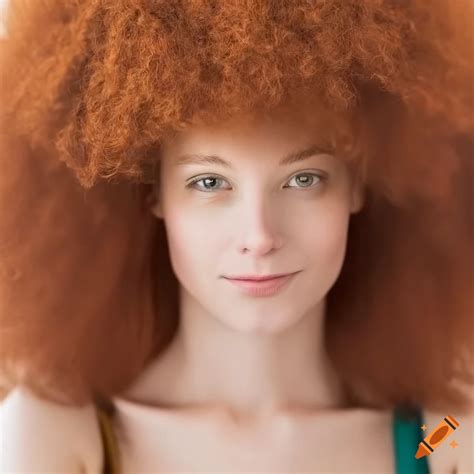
[255,216]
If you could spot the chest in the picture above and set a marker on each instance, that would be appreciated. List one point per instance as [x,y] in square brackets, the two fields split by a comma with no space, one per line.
[356,443]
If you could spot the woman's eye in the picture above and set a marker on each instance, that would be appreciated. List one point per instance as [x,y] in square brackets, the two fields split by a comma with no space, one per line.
[208,182]
[303,180]
[307,180]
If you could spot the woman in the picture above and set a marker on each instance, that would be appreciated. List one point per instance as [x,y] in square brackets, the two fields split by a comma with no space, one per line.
[161,150]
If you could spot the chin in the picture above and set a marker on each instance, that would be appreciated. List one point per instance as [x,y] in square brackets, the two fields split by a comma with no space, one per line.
[262,324]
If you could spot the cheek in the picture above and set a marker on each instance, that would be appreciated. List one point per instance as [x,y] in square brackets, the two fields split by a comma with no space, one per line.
[327,238]
[190,249]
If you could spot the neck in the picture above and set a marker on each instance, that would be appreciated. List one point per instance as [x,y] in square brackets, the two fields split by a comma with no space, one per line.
[211,364]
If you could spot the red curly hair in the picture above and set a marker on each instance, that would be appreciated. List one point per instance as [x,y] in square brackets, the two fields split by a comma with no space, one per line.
[90,89]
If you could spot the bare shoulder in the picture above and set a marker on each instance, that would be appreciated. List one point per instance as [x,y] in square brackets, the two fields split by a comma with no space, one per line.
[38,435]
[455,455]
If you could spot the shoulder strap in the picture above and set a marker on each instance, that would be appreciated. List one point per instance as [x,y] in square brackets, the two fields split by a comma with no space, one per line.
[109,441]
[406,436]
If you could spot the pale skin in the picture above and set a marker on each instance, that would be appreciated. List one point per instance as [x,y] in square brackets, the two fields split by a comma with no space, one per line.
[263,354]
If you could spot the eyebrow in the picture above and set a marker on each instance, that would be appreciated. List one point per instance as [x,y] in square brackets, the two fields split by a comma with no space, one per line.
[289,159]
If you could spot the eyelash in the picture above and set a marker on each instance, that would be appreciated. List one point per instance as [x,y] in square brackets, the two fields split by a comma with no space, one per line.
[201,178]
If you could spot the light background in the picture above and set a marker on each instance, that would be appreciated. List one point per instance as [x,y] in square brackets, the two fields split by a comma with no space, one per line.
[3,5]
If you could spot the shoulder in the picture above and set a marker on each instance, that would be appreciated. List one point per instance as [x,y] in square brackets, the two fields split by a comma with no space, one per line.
[456,453]
[38,435]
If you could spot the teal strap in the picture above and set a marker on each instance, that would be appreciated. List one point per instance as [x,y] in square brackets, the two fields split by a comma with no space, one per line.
[407,434]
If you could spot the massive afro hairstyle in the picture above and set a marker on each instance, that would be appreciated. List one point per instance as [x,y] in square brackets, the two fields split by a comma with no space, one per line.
[90,89]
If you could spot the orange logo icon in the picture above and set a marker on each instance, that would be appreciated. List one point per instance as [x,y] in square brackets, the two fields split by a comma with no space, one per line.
[436,437]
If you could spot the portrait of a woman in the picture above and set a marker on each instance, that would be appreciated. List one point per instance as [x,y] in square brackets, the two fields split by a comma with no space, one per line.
[236,236]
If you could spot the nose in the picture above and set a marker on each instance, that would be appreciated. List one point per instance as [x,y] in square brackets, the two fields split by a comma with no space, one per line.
[258,229]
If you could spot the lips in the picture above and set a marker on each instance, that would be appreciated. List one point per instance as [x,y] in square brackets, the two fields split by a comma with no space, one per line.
[265,287]
[257,278]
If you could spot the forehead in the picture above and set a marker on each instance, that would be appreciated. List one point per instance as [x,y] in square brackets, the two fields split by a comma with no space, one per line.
[272,136]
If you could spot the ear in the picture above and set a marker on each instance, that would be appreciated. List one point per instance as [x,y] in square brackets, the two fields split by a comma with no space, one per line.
[357,197]
[155,204]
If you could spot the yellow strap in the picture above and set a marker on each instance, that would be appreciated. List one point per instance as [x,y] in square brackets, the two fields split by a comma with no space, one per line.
[111,450]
